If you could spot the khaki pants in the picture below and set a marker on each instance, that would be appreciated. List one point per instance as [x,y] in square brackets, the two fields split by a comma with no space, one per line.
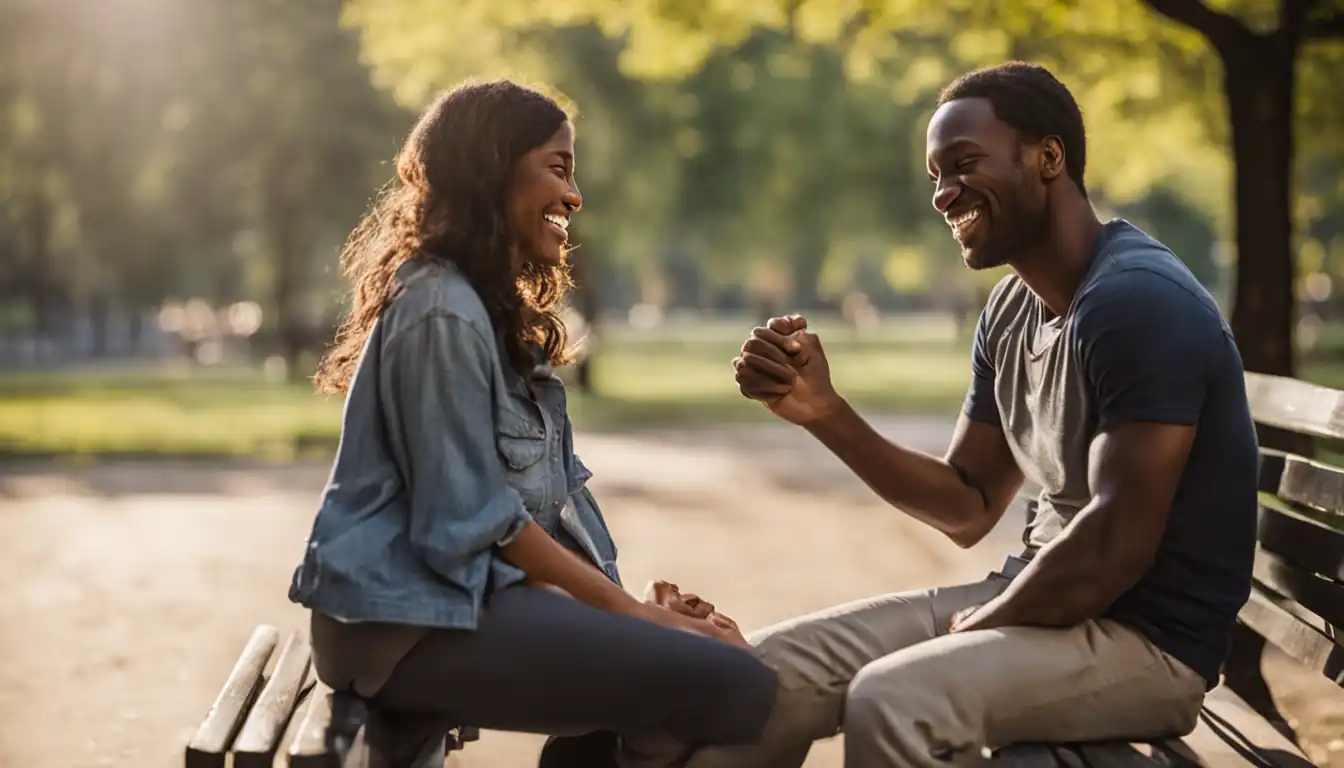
[906,693]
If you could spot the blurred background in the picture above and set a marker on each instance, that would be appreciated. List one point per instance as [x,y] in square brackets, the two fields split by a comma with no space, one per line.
[177,177]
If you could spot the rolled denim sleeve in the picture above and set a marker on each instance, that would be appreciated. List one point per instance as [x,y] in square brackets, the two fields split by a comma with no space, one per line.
[438,399]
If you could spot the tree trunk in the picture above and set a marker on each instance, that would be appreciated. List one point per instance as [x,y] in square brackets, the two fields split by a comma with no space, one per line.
[585,301]
[39,273]
[100,311]
[287,252]
[1259,82]
[806,261]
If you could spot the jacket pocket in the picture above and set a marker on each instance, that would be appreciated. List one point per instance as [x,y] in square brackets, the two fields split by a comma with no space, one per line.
[523,450]
[522,442]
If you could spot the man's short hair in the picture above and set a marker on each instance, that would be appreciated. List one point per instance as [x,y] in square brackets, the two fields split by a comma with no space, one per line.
[1032,101]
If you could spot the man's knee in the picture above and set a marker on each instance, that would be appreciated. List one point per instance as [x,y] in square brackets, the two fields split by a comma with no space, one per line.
[910,711]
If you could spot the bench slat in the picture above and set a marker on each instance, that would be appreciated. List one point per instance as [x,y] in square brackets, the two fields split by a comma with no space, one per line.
[1322,597]
[1230,733]
[309,747]
[210,745]
[1291,534]
[1300,641]
[1272,462]
[1122,755]
[1316,485]
[1028,756]
[1296,406]
[259,739]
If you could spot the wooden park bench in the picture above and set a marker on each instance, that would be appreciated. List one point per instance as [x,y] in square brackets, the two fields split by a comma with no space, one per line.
[256,716]
[1296,603]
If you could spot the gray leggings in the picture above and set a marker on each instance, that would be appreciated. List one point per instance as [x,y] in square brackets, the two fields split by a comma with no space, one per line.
[544,663]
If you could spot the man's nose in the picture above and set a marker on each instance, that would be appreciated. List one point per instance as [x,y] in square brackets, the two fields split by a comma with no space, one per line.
[945,195]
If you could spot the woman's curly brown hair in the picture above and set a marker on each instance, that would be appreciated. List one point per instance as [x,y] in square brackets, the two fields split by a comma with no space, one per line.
[447,202]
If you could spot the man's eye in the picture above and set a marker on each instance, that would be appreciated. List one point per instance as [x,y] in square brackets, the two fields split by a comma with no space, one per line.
[967,165]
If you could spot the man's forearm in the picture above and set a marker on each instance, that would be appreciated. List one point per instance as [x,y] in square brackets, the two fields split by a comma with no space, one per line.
[1073,578]
[925,487]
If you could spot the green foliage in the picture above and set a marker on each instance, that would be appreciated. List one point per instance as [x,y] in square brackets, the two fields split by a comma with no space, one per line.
[807,100]
[206,148]
[165,148]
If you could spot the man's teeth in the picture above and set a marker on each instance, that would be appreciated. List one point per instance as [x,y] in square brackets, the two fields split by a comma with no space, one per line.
[559,221]
[957,222]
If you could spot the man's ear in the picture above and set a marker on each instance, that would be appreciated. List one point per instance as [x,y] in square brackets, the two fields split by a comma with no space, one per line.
[1052,158]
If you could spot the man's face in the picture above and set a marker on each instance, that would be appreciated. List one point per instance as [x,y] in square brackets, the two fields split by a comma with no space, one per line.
[988,184]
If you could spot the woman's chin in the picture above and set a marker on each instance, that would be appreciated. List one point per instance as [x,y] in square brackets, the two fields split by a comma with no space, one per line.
[547,257]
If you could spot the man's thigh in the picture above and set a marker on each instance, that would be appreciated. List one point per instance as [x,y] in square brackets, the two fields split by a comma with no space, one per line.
[823,651]
[817,656]
[992,688]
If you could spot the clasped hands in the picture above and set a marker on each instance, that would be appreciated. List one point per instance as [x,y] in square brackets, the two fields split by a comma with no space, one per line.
[783,366]
[668,596]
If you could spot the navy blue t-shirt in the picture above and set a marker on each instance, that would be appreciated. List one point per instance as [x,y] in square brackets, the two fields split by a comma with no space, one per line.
[1142,342]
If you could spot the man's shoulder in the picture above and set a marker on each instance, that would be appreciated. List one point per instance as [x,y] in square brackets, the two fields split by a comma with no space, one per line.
[1135,274]
[1006,301]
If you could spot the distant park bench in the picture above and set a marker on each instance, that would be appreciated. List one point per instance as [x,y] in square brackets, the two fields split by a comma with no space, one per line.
[1296,603]
[257,715]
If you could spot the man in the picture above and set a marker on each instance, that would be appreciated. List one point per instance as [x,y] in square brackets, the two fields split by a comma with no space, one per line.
[1101,371]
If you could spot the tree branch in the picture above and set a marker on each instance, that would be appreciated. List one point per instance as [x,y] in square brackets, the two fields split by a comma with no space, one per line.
[1329,28]
[1222,30]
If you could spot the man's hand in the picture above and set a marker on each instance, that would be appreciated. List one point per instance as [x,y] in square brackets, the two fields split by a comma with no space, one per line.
[960,619]
[784,367]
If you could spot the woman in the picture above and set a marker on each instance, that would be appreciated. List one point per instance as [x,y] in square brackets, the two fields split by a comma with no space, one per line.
[458,565]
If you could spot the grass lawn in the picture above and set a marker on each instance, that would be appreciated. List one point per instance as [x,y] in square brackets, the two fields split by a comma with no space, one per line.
[675,376]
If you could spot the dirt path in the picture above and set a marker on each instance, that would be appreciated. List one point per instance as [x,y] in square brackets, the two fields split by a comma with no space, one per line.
[132,588]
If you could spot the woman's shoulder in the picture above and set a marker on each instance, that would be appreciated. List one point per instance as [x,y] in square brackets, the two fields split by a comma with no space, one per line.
[425,287]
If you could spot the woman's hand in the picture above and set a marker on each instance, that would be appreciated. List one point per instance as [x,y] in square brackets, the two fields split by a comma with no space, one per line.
[667,606]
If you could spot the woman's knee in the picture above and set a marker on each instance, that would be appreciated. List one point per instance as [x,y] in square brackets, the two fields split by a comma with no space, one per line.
[724,697]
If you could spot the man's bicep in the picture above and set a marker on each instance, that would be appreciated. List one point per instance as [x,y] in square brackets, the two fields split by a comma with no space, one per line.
[980,453]
[1134,470]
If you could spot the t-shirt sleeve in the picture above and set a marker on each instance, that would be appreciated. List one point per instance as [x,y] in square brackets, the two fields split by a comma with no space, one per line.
[1146,344]
[980,404]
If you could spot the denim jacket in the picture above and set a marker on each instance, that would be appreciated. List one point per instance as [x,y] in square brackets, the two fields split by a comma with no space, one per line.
[444,456]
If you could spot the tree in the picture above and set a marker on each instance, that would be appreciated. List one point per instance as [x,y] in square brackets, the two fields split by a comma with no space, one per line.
[1260,83]
[172,149]
[1132,58]
[288,136]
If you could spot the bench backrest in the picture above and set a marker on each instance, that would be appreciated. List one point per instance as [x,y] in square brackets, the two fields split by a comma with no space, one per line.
[1298,603]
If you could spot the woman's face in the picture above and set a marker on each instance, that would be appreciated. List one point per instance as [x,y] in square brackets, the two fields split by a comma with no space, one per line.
[541,197]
